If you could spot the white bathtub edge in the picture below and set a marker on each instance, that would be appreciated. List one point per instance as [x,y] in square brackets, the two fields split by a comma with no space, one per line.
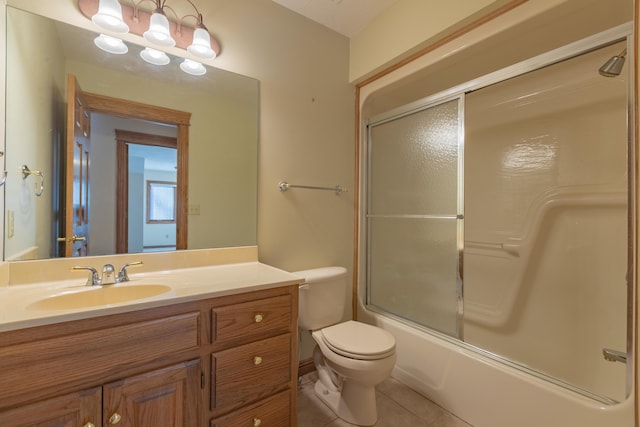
[487,393]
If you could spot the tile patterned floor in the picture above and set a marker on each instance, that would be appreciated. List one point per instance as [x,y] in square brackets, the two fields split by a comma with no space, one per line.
[398,406]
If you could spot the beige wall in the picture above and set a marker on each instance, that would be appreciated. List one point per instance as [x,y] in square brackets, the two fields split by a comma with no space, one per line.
[407,26]
[36,95]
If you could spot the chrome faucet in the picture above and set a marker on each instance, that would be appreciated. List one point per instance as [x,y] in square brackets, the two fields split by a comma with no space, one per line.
[94,279]
[122,274]
[109,276]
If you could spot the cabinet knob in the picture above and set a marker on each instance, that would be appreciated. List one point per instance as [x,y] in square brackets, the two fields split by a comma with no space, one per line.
[258,318]
[257,360]
[115,418]
[89,424]
[257,422]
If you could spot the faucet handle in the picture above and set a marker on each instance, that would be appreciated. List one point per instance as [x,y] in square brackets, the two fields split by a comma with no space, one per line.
[108,274]
[122,275]
[94,279]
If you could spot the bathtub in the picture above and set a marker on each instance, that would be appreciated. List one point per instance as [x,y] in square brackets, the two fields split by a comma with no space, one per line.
[488,393]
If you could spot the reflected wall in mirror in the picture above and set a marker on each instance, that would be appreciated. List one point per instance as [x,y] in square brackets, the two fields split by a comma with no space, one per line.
[222,153]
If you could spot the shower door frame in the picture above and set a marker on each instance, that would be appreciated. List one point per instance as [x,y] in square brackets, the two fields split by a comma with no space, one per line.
[624,32]
[459,217]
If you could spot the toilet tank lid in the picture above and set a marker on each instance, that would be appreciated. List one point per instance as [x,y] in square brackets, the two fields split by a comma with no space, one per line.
[318,274]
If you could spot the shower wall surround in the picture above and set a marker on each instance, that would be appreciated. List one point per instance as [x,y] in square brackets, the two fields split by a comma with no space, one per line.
[544,247]
[546,221]
[531,227]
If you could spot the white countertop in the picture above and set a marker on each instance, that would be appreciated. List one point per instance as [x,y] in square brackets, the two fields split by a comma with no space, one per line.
[187,284]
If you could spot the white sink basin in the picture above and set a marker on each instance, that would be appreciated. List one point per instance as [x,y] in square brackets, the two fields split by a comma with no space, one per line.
[98,295]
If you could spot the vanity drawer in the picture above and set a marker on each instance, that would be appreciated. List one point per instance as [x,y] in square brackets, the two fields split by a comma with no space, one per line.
[251,320]
[250,372]
[273,411]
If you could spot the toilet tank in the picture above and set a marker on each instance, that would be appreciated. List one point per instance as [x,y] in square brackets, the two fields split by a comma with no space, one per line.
[322,297]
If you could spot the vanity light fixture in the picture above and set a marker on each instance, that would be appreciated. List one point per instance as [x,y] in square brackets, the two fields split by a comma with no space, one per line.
[155,27]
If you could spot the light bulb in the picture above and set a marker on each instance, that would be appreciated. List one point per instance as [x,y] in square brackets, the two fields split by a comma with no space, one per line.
[193,67]
[111,44]
[154,56]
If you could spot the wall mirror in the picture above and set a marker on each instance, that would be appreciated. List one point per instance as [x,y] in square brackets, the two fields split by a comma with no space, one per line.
[222,141]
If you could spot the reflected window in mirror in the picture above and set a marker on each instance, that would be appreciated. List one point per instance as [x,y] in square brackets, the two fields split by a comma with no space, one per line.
[161,202]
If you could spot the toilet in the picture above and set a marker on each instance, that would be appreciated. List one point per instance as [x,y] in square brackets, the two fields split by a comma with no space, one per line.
[351,357]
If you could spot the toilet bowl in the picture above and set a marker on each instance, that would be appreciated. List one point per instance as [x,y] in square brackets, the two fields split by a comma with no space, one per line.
[351,357]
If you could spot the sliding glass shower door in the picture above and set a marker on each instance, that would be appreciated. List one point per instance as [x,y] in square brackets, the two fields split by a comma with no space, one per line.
[414,216]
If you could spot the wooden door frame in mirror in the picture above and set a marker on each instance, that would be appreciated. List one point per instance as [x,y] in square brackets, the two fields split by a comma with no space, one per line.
[123,139]
[180,119]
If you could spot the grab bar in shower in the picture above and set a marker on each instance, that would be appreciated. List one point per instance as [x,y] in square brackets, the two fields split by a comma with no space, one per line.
[284,186]
[614,355]
[511,249]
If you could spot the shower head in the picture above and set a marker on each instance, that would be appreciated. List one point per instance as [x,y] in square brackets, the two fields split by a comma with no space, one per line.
[613,67]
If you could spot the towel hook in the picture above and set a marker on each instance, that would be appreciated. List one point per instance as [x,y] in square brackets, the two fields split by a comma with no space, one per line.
[26,172]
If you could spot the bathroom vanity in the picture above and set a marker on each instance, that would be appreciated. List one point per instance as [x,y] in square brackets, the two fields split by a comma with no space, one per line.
[220,350]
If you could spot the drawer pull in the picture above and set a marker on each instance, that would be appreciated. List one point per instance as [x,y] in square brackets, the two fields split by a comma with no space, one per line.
[257,422]
[89,424]
[258,318]
[115,418]
[257,360]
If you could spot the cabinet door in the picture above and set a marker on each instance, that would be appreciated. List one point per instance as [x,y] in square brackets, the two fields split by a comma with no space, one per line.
[80,409]
[167,397]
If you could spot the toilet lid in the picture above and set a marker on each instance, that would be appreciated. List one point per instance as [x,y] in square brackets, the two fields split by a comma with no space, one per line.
[359,340]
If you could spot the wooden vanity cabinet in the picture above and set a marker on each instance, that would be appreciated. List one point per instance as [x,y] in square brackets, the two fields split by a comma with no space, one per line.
[223,362]
[165,397]
[78,409]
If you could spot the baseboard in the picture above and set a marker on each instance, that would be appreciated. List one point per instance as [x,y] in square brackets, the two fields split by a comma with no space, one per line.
[306,366]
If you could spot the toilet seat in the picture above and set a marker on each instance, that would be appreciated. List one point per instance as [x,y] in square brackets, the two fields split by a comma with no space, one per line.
[359,341]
